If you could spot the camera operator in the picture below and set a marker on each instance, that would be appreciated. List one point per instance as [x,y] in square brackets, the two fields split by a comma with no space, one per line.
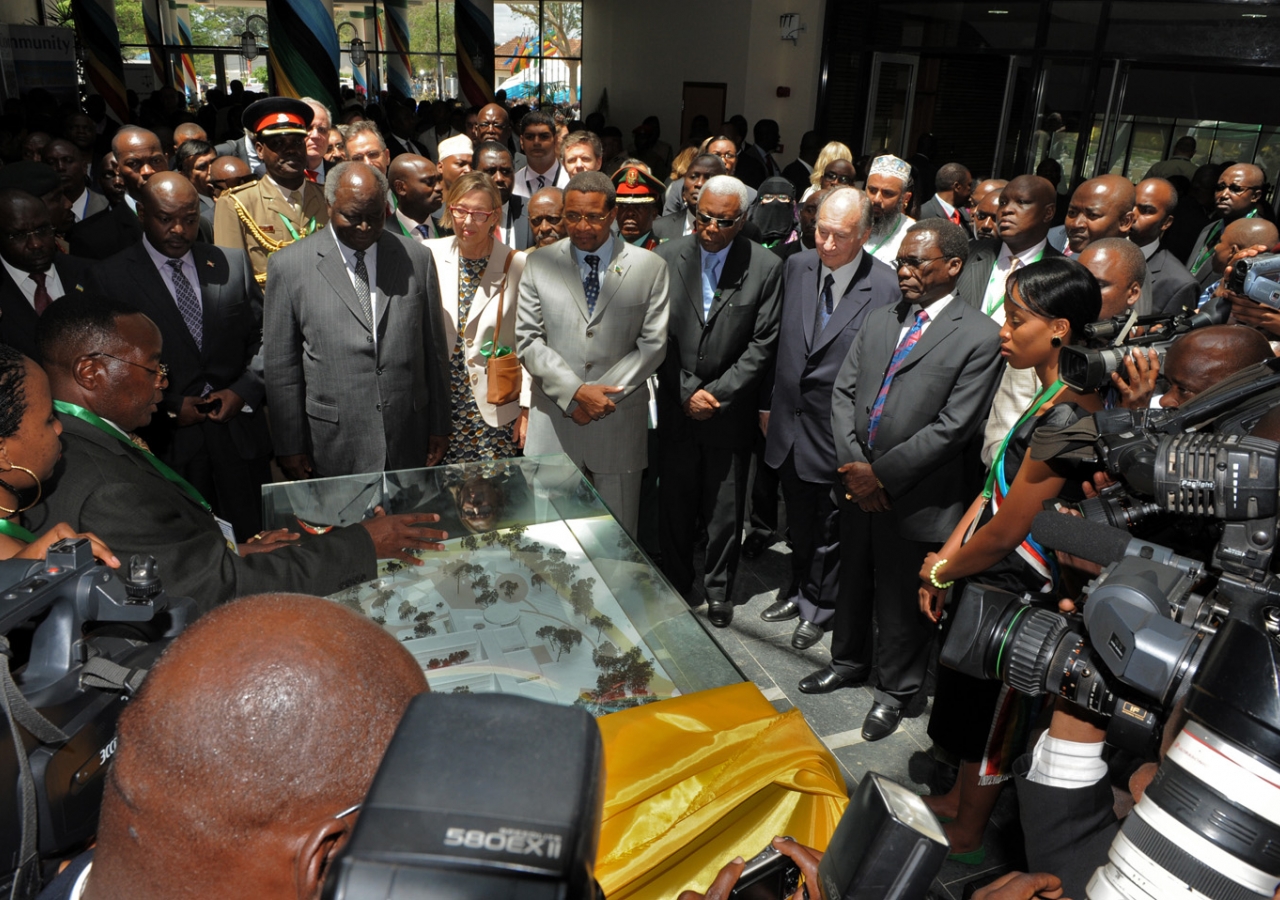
[245,755]
[1195,362]
[1243,237]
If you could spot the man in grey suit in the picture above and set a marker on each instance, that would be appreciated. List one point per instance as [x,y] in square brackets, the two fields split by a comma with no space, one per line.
[726,293]
[1173,290]
[912,392]
[356,367]
[592,326]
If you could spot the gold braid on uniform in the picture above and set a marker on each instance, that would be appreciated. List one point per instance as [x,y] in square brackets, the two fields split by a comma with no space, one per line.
[267,244]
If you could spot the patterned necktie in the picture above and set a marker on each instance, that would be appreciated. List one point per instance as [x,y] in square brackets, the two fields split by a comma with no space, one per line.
[709,279]
[591,284]
[904,347]
[542,181]
[42,299]
[187,302]
[362,288]
[826,303]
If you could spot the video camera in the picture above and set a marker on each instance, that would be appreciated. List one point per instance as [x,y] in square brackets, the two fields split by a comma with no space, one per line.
[1257,278]
[77,641]
[1159,627]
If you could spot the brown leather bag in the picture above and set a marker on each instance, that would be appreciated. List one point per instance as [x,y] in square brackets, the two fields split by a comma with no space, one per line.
[503,371]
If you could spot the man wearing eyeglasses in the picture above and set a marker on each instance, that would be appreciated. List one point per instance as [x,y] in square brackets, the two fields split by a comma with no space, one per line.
[592,327]
[1237,195]
[35,273]
[721,340]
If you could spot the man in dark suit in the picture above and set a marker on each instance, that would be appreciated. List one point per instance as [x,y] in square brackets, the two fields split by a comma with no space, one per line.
[910,395]
[1237,195]
[513,219]
[213,429]
[35,273]
[827,294]
[1172,289]
[679,224]
[1100,207]
[799,170]
[755,162]
[953,185]
[356,366]
[725,308]
[416,185]
[402,126]
[1024,213]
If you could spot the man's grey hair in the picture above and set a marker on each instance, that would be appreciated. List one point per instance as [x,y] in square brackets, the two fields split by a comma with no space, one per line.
[951,239]
[336,175]
[850,197]
[318,108]
[726,186]
[364,126]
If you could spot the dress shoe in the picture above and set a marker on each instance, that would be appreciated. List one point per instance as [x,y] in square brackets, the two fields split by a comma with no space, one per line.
[781,611]
[827,679]
[806,635]
[881,721]
[756,543]
[720,613]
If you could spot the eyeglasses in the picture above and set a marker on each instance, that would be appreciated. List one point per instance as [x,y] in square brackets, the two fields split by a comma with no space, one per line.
[1233,188]
[461,213]
[833,178]
[158,373]
[775,198]
[911,262]
[705,219]
[21,237]
[573,218]
[726,154]
[349,811]
[539,221]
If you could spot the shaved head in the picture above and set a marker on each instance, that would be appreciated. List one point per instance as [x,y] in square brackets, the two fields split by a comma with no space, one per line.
[1200,359]
[1240,235]
[169,185]
[1025,211]
[188,131]
[1100,207]
[1120,270]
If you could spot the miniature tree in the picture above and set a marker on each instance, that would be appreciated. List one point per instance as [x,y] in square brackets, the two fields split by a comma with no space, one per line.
[461,689]
[406,610]
[600,622]
[422,624]
[537,581]
[470,543]
[580,596]
[566,639]
[509,588]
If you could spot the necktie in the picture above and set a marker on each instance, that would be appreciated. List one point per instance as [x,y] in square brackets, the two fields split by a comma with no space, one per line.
[188,305]
[362,288]
[708,285]
[542,181]
[295,199]
[425,232]
[955,216]
[826,303]
[42,299]
[312,175]
[899,355]
[591,284]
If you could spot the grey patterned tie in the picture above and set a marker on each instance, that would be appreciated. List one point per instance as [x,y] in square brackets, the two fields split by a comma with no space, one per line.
[362,287]
[188,304]
[591,284]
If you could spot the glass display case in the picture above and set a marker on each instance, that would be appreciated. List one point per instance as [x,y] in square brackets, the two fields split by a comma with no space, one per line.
[538,592]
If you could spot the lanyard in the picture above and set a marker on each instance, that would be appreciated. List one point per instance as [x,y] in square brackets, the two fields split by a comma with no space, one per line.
[93,419]
[1045,395]
[987,306]
[310,228]
[1210,241]
[883,240]
[14,530]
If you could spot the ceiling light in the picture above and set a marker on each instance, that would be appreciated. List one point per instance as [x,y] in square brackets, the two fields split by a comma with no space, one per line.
[1253,15]
[998,12]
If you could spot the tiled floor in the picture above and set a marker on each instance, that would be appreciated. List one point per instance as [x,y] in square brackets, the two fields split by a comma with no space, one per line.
[764,653]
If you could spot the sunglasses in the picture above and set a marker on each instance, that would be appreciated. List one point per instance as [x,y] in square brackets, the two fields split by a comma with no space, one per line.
[705,219]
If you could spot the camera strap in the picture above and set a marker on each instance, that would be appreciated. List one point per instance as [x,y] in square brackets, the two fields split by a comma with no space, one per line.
[26,880]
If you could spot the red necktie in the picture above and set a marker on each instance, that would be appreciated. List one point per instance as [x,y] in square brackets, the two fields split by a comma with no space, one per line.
[312,175]
[955,216]
[42,299]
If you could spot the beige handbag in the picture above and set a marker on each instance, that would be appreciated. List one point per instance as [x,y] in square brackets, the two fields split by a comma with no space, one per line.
[501,364]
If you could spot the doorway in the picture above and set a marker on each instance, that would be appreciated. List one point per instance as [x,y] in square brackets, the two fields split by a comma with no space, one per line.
[702,98]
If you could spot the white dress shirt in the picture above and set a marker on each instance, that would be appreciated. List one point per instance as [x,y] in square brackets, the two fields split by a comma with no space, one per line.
[993,297]
[934,309]
[411,227]
[526,179]
[80,206]
[166,271]
[844,277]
[26,284]
[371,266]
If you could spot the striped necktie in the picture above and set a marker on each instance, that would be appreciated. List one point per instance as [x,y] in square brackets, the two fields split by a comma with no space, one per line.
[899,356]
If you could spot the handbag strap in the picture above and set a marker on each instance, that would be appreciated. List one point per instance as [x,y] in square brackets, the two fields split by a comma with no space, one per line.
[502,297]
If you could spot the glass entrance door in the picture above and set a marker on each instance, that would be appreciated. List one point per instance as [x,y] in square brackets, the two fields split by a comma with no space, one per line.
[892,93]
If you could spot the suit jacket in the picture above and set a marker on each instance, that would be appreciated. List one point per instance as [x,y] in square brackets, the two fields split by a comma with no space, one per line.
[18,319]
[753,169]
[1173,290]
[668,228]
[937,403]
[798,175]
[107,487]
[1058,238]
[520,237]
[106,233]
[1068,831]
[481,318]
[562,347]
[206,211]
[232,336]
[806,364]
[976,274]
[399,145]
[932,209]
[96,204]
[727,354]
[355,404]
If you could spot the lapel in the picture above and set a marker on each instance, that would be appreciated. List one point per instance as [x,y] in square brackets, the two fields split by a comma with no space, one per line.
[151,284]
[691,272]
[334,271]
[933,336]
[611,279]
[447,271]
[809,300]
[1156,262]
[852,302]
[490,284]
[15,304]
[213,272]
[569,272]
[732,275]
[389,280]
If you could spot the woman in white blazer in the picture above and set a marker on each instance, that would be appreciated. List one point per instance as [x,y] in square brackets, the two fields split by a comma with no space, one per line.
[478,275]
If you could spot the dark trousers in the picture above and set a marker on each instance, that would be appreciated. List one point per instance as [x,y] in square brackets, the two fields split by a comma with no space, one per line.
[880,579]
[813,522]
[206,456]
[762,511]
[701,483]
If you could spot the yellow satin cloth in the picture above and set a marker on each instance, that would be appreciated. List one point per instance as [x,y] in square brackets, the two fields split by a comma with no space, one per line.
[694,781]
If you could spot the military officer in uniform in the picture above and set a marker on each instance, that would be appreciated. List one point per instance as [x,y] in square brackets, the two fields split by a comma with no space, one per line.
[640,198]
[283,206]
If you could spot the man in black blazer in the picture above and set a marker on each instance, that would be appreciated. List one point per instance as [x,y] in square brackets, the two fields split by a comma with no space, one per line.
[211,428]
[953,186]
[35,273]
[796,406]
[1172,289]
[513,218]
[725,295]
[704,167]
[910,395]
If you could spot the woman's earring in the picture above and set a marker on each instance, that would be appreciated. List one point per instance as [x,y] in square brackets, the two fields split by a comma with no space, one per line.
[1057,341]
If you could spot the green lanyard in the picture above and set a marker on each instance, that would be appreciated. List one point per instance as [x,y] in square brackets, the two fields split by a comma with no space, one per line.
[1045,395]
[15,530]
[988,307]
[102,425]
[1210,241]
[311,227]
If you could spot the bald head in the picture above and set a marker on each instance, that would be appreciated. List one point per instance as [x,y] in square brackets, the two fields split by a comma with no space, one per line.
[227,172]
[169,212]
[169,186]
[1155,201]
[983,188]
[1200,359]
[1101,207]
[1120,270]
[188,131]
[1025,211]
[356,193]
[1240,235]
[416,184]
[283,705]
[1238,190]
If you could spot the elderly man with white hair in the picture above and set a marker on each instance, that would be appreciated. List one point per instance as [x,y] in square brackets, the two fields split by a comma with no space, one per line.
[726,295]
[889,189]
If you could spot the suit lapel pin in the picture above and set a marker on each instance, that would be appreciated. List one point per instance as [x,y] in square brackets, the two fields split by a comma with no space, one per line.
[80,288]
[617,270]
[209,263]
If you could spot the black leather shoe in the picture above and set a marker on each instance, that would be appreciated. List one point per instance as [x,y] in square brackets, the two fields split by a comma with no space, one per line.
[781,611]
[881,721]
[806,635]
[827,679]
[756,543]
[720,612]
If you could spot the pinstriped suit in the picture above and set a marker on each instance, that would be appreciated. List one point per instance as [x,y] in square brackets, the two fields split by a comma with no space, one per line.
[354,404]
[563,348]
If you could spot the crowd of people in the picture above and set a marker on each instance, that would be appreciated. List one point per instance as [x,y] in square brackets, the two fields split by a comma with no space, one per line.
[270,288]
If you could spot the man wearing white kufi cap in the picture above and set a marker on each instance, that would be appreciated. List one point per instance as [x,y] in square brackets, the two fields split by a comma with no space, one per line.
[889,187]
[455,161]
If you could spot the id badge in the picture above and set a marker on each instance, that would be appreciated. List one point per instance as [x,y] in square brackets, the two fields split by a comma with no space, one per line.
[228,533]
